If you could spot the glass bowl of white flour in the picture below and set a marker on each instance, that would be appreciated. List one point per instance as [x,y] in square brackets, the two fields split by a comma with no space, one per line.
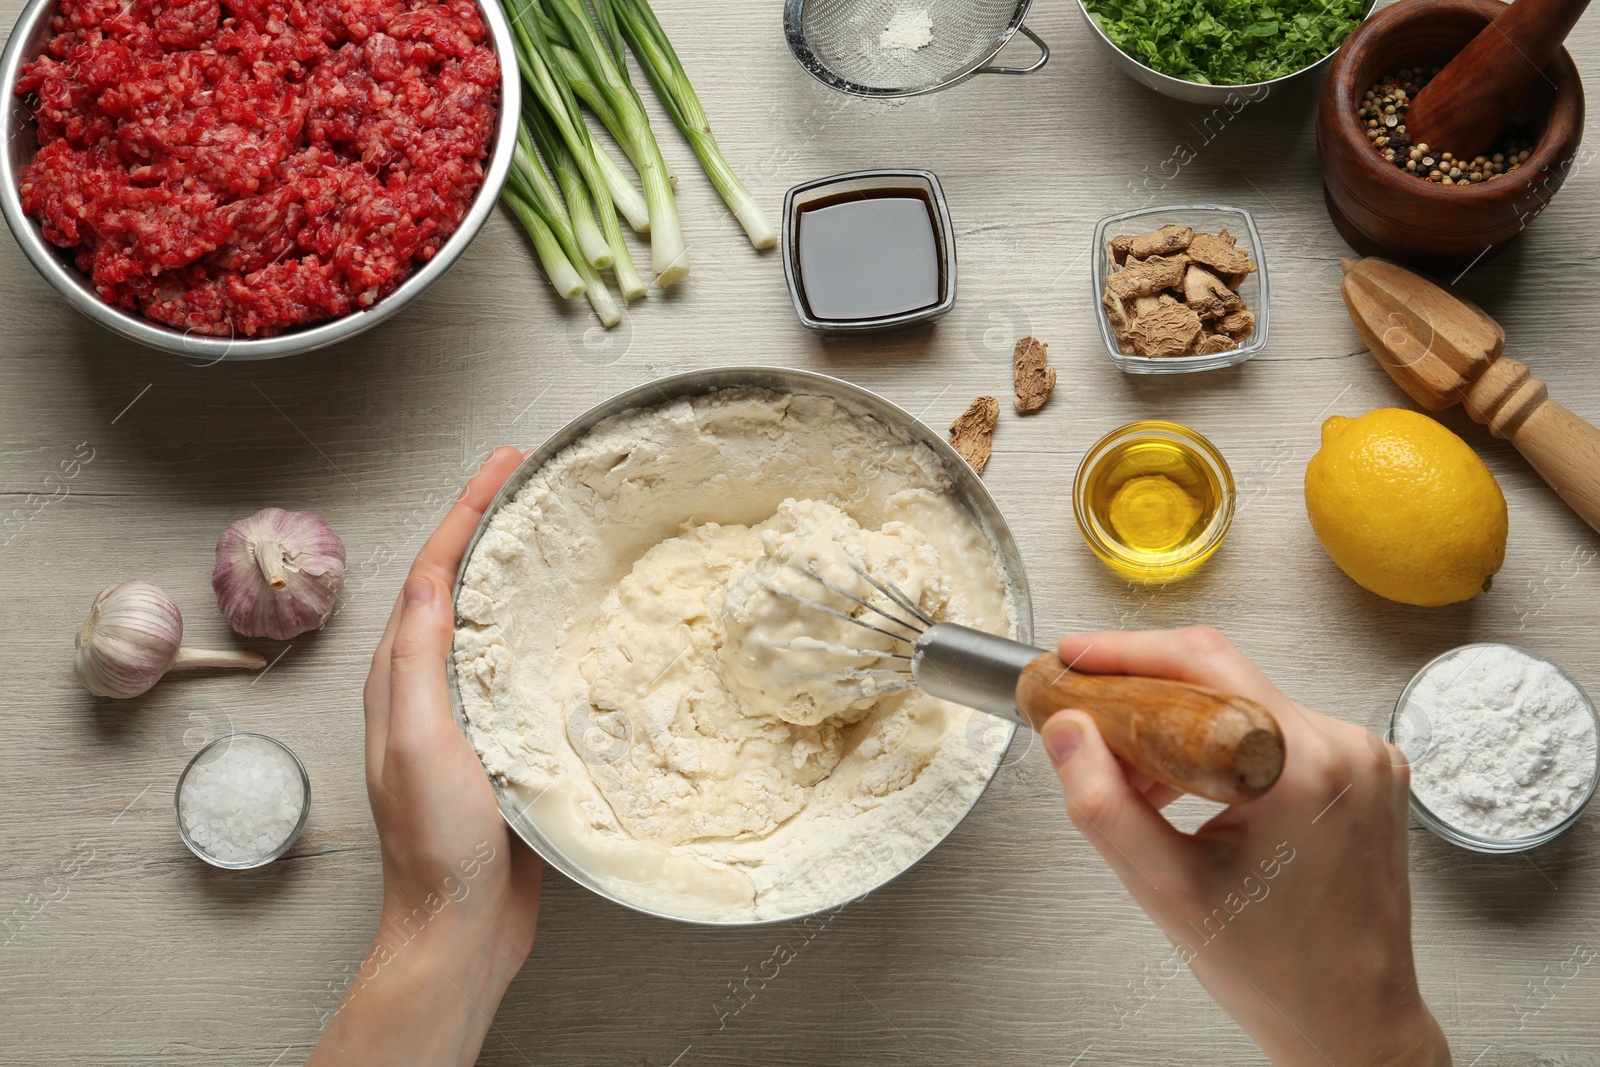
[1502,744]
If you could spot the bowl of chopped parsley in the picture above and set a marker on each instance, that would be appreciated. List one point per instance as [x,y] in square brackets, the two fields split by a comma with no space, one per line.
[1205,51]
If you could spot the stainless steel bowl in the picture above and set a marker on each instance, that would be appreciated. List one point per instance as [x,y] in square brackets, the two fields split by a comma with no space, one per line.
[28,39]
[968,488]
[1188,91]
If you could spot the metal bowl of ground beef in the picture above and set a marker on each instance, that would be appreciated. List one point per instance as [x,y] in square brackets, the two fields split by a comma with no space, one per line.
[247,179]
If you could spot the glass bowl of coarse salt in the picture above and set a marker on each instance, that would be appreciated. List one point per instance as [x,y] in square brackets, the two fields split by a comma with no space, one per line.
[242,801]
[1504,747]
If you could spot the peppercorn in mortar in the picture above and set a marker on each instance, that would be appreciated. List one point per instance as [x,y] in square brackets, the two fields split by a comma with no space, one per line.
[1383,110]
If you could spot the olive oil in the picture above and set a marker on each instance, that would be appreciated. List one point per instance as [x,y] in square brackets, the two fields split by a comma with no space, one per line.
[1154,500]
[1154,512]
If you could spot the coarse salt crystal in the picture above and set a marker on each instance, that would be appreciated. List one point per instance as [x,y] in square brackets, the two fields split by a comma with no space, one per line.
[242,801]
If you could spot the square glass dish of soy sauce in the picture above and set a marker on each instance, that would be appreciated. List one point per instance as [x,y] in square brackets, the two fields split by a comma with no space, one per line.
[869,251]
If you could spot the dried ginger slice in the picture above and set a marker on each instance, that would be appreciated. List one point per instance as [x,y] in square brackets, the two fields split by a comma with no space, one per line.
[1220,254]
[1163,242]
[1237,324]
[1205,293]
[1121,323]
[972,434]
[1147,277]
[1169,328]
[1213,343]
[1033,380]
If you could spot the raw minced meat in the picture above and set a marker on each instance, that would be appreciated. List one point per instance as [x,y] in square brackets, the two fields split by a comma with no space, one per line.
[236,168]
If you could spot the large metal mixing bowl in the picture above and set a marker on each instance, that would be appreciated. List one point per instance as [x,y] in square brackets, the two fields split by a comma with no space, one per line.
[28,39]
[969,491]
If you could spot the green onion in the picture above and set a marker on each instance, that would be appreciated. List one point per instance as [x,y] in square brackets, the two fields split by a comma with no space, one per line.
[559,105]
[557,267]
[567,53]
[655,54]
[586,90]
[591,241]
[629,201]
[669,254]
[595,249]
[528,180]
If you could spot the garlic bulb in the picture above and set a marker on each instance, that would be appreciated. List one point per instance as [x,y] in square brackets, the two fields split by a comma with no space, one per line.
[133,636]
[278,573]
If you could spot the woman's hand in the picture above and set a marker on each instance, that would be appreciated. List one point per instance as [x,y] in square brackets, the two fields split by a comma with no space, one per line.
[1294,910]
[460,893]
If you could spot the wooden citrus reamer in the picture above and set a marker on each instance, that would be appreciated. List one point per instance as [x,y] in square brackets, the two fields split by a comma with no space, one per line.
[1443,350]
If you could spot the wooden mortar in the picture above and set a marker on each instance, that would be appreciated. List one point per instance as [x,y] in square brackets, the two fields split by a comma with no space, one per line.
[1382,210]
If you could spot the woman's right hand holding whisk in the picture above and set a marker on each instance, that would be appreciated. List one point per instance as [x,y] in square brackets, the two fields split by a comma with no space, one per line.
[1293,910]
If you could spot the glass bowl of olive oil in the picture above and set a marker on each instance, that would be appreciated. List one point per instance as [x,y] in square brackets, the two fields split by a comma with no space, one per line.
[1154,500]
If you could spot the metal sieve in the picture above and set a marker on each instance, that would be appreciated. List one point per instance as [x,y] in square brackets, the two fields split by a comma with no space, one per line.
[847,44]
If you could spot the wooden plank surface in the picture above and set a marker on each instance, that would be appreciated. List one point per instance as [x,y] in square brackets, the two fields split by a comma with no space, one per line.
[1012,942]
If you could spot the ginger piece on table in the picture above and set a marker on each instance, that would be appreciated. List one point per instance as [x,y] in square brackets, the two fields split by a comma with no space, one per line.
[1220,254]
[1170,328]
[1205,293]
[1164,242]
[1033,380]
[1147,277]
[972,434]
[1237,324]
[1121,322]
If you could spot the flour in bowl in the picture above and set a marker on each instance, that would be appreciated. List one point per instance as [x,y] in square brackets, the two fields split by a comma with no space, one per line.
[1501,743]
[636,670]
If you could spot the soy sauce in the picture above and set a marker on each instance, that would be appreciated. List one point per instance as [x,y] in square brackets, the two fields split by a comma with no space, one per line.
[868,254]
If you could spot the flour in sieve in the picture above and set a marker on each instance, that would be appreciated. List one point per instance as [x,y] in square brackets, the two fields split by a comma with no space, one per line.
[1501,743]
[909,29]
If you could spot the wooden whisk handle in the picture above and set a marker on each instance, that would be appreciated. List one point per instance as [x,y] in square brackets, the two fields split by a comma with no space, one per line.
[1224,748]
[1563,448]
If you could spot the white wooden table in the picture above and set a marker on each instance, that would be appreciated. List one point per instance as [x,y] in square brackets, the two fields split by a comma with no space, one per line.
[1012,942]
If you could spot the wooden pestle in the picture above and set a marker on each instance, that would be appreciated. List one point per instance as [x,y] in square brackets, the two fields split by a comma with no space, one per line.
[1443,350]
[1467,106]
[1224,748]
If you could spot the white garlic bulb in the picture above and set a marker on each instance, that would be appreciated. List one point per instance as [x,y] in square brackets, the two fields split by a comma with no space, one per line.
[278,573]
[133,636]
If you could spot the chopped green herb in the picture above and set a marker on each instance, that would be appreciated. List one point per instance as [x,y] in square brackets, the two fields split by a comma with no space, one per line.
[1227,42]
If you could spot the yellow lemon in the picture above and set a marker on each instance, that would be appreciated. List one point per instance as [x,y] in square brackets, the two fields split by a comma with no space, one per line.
[1406,508]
